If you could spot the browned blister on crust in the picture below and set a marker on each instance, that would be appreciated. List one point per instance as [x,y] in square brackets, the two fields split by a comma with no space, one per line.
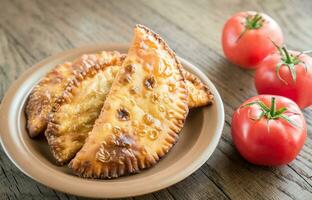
[199,93]
[143,113]
[74,112]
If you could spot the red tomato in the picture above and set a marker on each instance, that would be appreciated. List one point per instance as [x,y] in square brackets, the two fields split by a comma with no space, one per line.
[247,36]
[269,130]
[293,79]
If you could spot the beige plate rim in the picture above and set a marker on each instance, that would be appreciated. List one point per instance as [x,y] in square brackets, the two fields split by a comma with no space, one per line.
[14,146]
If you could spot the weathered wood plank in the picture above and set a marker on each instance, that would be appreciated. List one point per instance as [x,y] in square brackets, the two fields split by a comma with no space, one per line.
[33,30]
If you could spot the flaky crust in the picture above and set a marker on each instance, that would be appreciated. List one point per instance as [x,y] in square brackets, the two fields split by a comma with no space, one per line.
[74,112]
[40,100]
[83,102]
[199,93]
[143,113]
[45,93]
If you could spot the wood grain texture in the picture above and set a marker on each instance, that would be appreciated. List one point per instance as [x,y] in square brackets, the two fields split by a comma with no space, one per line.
[32,30]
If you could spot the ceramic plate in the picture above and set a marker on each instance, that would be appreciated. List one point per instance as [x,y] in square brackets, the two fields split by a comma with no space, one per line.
[198,140]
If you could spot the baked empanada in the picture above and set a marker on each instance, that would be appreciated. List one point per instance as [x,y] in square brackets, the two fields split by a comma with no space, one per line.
[66,133]
[45,93]
[199,93]
[40,100]
[74,113]
[142,115]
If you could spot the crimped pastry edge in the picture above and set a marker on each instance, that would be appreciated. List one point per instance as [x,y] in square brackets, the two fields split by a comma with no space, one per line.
[177,125]
[198,83]
[87,72]
[31,102]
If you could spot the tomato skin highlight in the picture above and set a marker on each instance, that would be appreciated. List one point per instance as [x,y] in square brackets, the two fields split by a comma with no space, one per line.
[251,47]
[268,142]
[267,81]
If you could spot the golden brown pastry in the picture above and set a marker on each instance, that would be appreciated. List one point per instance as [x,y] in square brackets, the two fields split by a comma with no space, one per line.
[44,94]
[73,116]
[143,113]
[74,113]
[199,94]
[40,100]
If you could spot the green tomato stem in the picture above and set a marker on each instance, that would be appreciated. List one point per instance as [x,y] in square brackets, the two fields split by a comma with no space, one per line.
[252,22]
[273,105]
[288,59]
[271,113]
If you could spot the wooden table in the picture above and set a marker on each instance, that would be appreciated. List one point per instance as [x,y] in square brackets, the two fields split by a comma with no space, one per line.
[33,30]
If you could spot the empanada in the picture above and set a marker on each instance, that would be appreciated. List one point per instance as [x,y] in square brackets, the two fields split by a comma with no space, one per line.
[45,93]
[143,113]
[199,93]
[66,135]
[74,112]
[40,100]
